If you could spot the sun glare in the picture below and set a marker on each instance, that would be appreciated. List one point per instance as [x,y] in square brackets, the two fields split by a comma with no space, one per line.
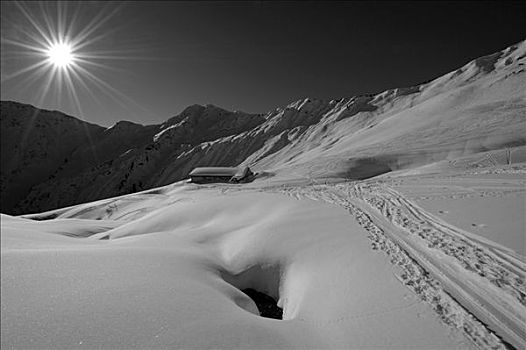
[60,46]
[60,55]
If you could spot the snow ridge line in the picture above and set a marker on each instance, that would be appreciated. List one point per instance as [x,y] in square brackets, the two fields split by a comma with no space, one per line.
[413,276]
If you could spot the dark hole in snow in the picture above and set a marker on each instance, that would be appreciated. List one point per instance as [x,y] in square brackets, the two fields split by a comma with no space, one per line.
[267,306]
[262,284]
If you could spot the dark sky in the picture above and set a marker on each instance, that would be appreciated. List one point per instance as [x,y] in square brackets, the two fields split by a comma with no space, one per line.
[160,57]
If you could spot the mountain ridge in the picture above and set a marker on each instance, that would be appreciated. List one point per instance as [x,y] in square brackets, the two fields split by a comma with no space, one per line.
[475,108]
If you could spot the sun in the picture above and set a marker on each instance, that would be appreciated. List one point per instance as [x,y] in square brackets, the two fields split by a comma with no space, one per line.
[61,46]
[60,55]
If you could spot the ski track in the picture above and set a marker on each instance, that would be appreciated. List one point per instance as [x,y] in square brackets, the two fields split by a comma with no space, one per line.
[471,283]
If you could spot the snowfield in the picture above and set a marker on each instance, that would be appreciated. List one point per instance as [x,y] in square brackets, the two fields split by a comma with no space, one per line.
[171,277]
[352,264]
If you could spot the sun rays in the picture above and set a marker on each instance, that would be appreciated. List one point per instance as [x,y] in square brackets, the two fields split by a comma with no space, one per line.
[60,54]
[62,48]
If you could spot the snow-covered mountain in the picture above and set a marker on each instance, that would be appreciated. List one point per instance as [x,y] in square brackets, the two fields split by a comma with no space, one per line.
[51,160]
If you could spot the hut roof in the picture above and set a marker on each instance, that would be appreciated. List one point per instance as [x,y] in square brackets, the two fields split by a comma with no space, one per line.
[217,171]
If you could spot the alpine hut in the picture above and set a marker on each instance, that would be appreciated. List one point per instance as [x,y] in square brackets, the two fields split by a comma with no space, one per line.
[221,174]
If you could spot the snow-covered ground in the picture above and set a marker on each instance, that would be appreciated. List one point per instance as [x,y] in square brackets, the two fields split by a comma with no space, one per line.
[169,277]
[491,205]
[386,263]
[472,282]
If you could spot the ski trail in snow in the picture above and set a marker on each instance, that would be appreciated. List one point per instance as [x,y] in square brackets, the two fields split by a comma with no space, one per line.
[469,281]
[502,269]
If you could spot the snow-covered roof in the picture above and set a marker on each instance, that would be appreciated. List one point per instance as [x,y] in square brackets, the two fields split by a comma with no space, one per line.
[217,171]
